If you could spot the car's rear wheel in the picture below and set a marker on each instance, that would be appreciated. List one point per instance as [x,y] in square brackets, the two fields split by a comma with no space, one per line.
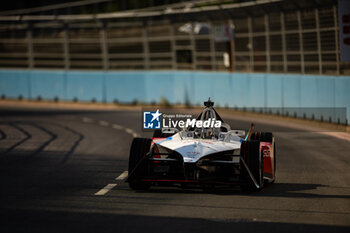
[262,136]
[138,168]
[267,137]
[252,156]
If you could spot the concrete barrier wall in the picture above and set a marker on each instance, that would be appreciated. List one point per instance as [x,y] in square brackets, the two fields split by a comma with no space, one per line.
[311,96]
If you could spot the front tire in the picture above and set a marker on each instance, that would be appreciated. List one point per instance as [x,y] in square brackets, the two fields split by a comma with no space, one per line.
[138,168]
[251,154]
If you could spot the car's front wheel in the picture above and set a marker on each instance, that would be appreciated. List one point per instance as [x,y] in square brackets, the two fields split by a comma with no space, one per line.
[137,165]
[253,158]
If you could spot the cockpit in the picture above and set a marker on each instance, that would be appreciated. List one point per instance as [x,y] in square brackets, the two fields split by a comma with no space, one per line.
[208,125]
[211,125]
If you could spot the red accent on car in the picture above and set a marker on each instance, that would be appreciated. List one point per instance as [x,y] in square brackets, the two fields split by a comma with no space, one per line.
[267,150]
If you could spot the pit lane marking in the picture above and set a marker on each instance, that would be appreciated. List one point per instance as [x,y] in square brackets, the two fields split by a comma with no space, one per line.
[122,176]
[105,190]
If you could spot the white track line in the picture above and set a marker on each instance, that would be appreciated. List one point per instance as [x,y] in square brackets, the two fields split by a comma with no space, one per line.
[105,189]
[132,132]
[103,123]
[122,176]
[87,120]
[115,126]
[129,131]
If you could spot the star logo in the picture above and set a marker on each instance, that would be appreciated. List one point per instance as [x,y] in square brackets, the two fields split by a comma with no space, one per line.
[156,115]
[151,120]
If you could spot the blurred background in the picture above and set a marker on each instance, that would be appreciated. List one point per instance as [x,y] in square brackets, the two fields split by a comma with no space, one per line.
[268,36]
[242,53]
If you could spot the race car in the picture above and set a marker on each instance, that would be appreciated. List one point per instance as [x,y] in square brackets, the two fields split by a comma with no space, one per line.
[203,155]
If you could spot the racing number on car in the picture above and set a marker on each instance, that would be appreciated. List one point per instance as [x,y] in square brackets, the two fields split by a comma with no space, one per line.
[266,151]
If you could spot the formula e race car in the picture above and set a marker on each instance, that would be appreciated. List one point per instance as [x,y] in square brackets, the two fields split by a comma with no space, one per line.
[203,155]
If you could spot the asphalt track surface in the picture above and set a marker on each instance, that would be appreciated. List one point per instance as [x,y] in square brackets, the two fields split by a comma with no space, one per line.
[54,166]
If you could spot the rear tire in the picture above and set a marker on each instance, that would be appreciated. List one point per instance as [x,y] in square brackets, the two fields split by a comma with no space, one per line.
[262,136]
[139,148]
[251,154]
[267,137]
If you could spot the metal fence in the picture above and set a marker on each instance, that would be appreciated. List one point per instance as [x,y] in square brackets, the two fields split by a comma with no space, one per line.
[299,41]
